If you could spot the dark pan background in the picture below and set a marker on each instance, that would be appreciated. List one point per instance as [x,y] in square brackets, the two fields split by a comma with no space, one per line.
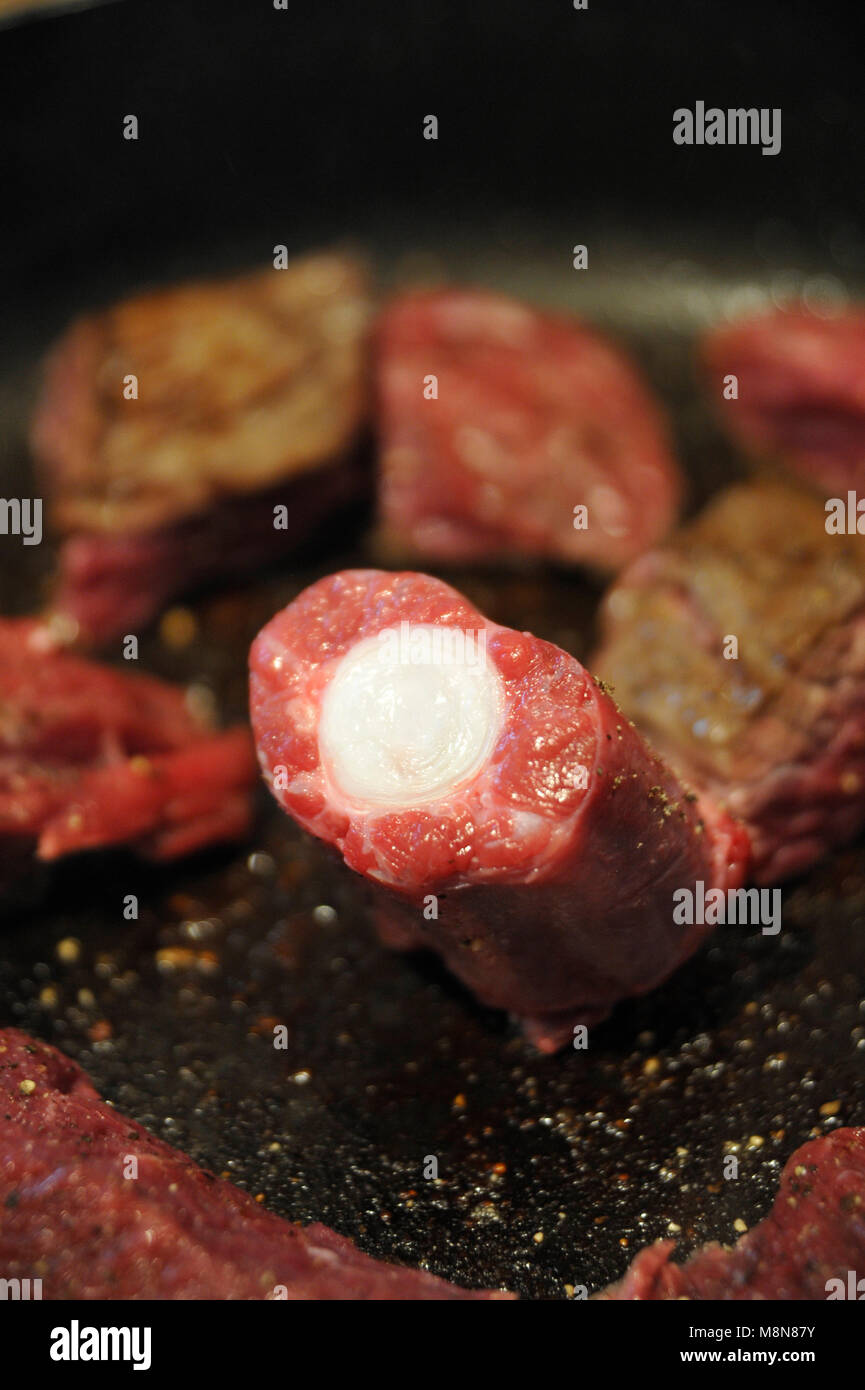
[303,127]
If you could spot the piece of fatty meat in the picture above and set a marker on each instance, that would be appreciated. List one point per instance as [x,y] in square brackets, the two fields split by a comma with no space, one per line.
[512,817]
[198,432]
[739,652]
[506,432]
[95,1207]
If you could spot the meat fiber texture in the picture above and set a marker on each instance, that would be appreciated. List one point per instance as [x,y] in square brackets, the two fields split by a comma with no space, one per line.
[534,417]
[804,1249]
[109,585]
[552,866]
[91,756]
[801,392]
[97,1208]
[777,734]
[251,394]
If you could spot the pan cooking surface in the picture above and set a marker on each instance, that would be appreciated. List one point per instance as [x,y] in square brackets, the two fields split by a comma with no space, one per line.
[552,1172]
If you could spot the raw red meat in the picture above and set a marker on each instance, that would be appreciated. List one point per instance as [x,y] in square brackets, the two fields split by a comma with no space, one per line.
[815,1233]
[75,1218]
[90,756]
[108,585]
[535,416]
[801,392]
[777,734]
[251,394]
[550,836]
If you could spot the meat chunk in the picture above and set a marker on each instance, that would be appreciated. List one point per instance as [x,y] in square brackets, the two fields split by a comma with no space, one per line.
[801,392]
[739,652]
[804,1249]
[249,394]
[533,417]
[90,756]
[520,824]
[97,1208]
[109,585]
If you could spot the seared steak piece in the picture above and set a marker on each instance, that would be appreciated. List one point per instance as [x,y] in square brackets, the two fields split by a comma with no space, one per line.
[520,824]
[534,416]
[96,1207]
[91,756]
[776,734]
[806,1248]
[801,392]
[251,393]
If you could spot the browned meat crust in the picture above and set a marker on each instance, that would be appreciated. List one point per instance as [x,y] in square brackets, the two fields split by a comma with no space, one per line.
[241,384]
[777,733]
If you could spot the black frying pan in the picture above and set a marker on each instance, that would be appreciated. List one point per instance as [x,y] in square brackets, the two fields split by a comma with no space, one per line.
[303,127]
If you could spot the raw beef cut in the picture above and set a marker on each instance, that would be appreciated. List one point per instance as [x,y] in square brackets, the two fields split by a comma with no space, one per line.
[806,1247]
[91,756]
[247,394]
[96,1207]
[534,416]
[110,585]
[776,733]
[521,825]
[801,392]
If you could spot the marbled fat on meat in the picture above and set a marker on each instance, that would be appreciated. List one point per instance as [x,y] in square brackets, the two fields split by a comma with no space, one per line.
[534,416]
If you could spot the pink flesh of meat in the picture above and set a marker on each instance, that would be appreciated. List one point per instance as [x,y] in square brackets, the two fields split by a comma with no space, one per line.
[814,1233]
[77,1217]
[801,392]
[91,756]
[554,861]
[534,416]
